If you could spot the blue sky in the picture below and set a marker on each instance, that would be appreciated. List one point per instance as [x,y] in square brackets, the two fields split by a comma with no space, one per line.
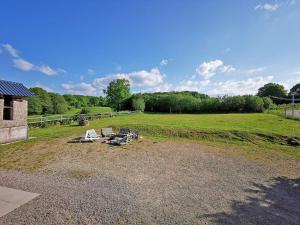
[214,47]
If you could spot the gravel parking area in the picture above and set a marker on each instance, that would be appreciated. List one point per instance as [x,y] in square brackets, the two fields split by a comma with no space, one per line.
[155,182]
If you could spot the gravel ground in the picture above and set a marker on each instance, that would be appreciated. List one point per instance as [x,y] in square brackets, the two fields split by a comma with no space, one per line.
[150,182]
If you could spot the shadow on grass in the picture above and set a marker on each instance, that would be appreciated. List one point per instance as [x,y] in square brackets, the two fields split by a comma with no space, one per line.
[277,203]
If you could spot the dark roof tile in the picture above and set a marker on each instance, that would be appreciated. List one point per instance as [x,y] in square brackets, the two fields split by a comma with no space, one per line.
[14,89]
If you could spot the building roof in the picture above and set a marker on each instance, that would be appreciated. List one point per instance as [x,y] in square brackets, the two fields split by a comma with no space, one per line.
[14,89]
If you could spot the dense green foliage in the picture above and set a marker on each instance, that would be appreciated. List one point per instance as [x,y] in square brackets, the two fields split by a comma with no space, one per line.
[44,98]
[47,103]
[85,110]
[59,104]
[118,97]
[189,102]
[295,90]
[34,106]
[138,103]
[117,92]
[273,89]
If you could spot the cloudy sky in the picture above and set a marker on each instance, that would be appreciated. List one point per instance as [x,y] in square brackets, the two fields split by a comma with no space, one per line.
[214,47]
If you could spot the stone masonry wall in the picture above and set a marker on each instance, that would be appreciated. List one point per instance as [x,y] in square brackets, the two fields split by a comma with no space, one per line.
[20,109]
[1,109]
[16,129]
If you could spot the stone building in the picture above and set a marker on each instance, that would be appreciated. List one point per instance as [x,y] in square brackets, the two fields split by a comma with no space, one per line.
[13,111]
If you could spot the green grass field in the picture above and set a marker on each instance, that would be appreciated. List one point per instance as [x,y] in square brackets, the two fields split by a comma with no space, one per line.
[249,123]
[252,131]
[222,127]
[74,111]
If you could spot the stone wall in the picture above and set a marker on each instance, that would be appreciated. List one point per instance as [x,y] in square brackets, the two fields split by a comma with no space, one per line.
[16,129]
[19,109]
[12,134]
[1,108]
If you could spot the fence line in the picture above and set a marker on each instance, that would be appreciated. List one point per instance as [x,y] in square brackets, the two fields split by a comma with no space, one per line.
[62,118]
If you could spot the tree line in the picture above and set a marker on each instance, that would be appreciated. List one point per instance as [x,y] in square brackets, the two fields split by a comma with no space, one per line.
[194,102]
[52,103]
[119,97]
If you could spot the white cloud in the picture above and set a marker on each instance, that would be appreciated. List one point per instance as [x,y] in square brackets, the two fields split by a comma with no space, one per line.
[227,69]
[140,78]
[267,7]
[164,87]
[11,50]
[60,70]
[289,83]
[256,70]
[80,89]
[164,62]
[37,84]
[81,77]
[47,70]
[23,64]
[91,72]
[239,87]
[230,87]
[193,85]
[149,81]
[209,69]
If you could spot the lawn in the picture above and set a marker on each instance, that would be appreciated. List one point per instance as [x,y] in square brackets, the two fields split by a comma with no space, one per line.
[249,123]
[74,111]
[255,135]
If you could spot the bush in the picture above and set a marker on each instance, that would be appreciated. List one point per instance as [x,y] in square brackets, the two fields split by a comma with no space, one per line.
[254,104]
[268,103]
[85,110]
[138,103]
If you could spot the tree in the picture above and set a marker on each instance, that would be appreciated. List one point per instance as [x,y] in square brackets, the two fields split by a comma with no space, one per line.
[85,110]
[268,103]
[83,101]
[253,104]
[59,104]
[272,89]
[71,100]
[233,103]
[94,101]
[296,90]
[34,105]
[117,91]
[138,103]
[45,100]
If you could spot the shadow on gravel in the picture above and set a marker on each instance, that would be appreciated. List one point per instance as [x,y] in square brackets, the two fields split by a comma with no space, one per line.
[277,203]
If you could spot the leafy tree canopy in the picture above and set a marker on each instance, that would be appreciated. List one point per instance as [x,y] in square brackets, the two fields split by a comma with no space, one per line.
[117,92]
[138,103]
[296,90]
[272,89]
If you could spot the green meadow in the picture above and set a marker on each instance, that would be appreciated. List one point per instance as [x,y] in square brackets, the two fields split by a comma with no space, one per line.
[259,123]
[259,130]
[74,111]
[256,136]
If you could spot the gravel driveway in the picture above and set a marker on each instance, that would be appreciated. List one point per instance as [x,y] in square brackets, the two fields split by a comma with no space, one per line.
[152,182]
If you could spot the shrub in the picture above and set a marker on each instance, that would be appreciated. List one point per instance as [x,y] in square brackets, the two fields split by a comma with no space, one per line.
[85,110]
[138,103]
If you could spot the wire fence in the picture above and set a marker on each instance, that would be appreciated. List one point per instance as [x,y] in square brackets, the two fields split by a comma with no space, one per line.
[43,121]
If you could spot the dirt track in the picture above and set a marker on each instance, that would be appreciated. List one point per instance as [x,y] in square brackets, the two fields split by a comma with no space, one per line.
[154,183]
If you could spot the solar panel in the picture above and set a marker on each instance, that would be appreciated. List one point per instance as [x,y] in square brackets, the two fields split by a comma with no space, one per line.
[14,89]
